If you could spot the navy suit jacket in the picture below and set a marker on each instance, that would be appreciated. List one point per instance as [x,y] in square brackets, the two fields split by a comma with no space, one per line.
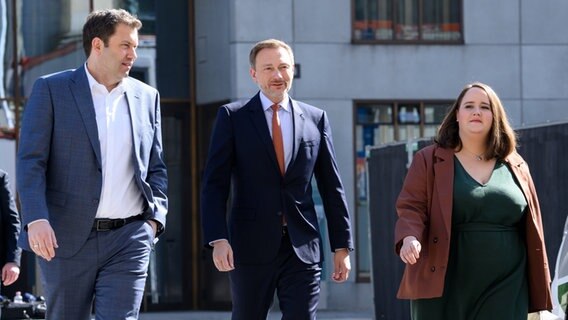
[241,154]
[59,170]
[9,224]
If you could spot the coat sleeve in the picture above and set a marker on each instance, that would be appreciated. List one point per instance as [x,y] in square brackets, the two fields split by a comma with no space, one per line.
[332,192]
[10,222]
[157,176]
[413,201]
[538,269]
[34,149]
[217,180]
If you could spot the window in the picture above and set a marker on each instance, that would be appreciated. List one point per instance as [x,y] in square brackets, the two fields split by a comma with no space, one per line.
[379,123]
[145,10]
[403,21]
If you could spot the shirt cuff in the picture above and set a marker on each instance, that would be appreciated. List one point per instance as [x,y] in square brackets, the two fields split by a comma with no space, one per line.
[212,243]
[38,220]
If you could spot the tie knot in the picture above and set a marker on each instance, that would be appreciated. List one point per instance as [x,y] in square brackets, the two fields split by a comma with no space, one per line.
[275,107]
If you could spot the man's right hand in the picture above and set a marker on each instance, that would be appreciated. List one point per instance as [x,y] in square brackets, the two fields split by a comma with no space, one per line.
[42,239]
[223,256]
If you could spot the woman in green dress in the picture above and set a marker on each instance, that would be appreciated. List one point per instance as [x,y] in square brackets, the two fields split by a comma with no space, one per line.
[469,226]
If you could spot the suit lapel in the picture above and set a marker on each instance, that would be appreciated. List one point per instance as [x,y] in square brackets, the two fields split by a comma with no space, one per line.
[298,123]
[82,93]
[132,100]
[444,177]
[259,121]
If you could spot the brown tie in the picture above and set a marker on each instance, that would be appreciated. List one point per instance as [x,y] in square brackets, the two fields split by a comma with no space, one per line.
[277,138]
[278,145]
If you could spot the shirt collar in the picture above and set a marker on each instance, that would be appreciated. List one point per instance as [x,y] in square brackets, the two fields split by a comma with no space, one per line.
[93,83]
[267,103]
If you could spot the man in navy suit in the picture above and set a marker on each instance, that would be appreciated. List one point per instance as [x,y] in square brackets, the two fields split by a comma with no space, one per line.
[10,254]
[91,176]
[264,153]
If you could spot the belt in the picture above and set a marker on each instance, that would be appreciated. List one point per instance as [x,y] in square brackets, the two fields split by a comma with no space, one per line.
[110,224]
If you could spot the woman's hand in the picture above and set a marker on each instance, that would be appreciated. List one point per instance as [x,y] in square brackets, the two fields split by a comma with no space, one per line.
[410,251]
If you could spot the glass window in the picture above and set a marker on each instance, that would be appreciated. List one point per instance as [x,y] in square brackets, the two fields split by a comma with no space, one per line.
[433,116]
[409,121]
[368,130]
[373,20]
[441,20]
[145,10]
[435,113]
[364,9]
[408,113]
[407,20]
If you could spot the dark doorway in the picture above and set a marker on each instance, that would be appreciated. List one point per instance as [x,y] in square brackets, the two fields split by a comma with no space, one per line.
[214,288]
[169,277]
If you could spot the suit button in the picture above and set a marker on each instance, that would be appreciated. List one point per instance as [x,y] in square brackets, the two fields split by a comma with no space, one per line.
[95,201]
[435,240]
[433,269]
[279,213]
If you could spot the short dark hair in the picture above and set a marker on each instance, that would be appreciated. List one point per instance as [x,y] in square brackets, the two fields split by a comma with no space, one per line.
[102,24]
[501,140]
[269,43]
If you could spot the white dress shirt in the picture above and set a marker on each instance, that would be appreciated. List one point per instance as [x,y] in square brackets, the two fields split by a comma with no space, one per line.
[120,196]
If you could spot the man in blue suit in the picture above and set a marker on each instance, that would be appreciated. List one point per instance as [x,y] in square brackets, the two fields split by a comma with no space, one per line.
[264,153]
[91,176]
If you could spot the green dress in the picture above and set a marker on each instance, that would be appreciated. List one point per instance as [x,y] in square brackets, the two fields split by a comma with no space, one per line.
[486,276]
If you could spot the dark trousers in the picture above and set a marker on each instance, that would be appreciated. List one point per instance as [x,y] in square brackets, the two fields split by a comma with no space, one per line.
[110,268]
[296,284]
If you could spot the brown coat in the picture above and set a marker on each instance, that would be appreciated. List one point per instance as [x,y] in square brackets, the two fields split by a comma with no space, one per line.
[424,209]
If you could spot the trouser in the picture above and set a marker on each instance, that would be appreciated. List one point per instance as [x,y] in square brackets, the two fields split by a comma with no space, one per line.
[297,286]
[110,269]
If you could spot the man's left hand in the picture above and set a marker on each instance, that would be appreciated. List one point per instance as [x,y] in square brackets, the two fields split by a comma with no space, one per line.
[341,265]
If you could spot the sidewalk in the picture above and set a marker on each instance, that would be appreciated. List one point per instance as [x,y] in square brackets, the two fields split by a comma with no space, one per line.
[218,315]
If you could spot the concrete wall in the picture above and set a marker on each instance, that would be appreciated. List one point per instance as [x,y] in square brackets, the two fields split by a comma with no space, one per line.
[213,52]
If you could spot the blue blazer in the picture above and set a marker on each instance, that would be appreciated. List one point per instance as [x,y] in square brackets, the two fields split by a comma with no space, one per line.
[59,171]
[242,154]
[9,224]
